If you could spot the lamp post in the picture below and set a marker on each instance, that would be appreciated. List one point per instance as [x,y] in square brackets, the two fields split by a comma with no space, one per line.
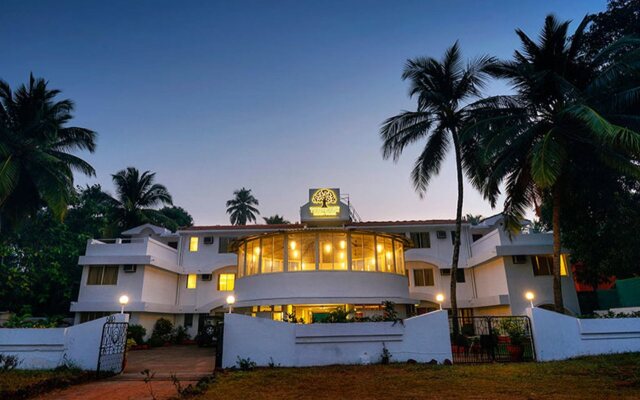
[230,300]
[123,300]
[529,296]
[440,299]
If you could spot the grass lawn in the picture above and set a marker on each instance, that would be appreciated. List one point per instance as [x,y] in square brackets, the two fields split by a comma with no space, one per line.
[602,377]
[21,384]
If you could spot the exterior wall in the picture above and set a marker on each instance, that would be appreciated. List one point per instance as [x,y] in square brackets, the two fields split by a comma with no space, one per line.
[421,338]
[558,336]
[159,286]
[492,311]
[148,320]
[491,279]
[321,287]
[521,279]
[208,258]
[129,283]
[442,284]
[50,348]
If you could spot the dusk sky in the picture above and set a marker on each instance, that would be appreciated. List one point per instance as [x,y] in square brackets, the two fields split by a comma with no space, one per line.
[274,96]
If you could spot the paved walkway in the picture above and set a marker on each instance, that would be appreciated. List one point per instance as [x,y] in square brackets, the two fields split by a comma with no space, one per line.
[188,363]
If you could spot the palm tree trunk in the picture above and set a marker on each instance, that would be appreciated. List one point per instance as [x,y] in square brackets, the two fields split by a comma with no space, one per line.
[456,242]
[557,283]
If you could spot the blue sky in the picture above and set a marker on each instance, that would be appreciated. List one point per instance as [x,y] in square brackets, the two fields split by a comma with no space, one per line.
[273,96]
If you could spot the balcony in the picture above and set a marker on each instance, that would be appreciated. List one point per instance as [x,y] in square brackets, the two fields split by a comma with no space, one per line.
[146,251]
[497,243]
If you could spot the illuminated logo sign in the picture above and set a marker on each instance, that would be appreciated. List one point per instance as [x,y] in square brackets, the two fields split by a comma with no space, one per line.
[326,203]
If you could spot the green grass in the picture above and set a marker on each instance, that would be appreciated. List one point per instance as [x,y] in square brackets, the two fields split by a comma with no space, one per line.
[23,384]
[601,377]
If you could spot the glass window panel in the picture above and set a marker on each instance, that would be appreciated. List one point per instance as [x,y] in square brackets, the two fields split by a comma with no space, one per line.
[191,281]
[95,275]
[253,256]
[327,251]
[357,252]
[563,264]
[387,265]
[418,277]
[226,282]
[241,261]
[340,248]
[369,252]
[302,252]
[110,276]
[278,253]
[399,254]
[193,243]
[267,255]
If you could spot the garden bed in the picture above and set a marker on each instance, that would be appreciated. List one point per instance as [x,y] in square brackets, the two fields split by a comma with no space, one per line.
[25,384]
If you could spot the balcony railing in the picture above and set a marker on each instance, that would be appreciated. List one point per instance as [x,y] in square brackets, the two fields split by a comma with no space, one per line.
[158,253]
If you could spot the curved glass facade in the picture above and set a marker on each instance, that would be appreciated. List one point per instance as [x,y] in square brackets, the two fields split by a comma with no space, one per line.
[321,251]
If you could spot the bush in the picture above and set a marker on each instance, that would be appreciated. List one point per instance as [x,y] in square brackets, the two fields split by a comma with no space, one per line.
[137,333]
[246,364]
[180,335]
[163,329]
[8,363]
[155,341]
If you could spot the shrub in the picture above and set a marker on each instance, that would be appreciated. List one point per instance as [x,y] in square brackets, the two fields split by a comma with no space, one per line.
[246,364]
[8,363]
[155,341]
[385,356]
[137,333]
[180,335]
[163,329]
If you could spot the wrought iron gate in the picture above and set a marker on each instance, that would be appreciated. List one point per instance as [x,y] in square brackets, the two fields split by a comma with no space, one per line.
[492,339]
[113,347]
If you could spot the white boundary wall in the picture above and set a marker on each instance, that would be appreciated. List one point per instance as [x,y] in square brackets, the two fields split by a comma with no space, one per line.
[558,336]
[48,348]
[422,338]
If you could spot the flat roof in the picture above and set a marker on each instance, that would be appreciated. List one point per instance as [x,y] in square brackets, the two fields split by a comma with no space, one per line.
[256,227]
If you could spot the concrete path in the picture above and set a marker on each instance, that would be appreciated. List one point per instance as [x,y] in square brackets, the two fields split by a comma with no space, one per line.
[188,363]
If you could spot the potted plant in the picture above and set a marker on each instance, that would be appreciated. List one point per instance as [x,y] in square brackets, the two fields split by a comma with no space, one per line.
[515,331]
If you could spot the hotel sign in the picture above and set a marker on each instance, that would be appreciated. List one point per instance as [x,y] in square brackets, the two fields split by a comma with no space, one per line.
[325,203]
[324,207]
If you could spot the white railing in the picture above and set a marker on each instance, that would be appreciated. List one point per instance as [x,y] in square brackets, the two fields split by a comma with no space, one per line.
[130,247]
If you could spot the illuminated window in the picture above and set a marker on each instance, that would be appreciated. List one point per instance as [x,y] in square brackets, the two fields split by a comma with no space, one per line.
[333,251]
[363,256]
[399,254]
[191,281]
[272,254]
[241,261]
[252,257]
[302,252]
[226,282]
[384,252]
[193,243]
[103,275]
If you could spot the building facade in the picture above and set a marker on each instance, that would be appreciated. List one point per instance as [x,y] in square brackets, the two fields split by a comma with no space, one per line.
[309,269]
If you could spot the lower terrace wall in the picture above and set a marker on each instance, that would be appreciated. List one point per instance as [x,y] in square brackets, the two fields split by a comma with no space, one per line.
[49,348]
[558,336]
[422,338]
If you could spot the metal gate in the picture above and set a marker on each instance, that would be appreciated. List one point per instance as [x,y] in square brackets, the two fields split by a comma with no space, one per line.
[492,339]
[113,347]
[218,333]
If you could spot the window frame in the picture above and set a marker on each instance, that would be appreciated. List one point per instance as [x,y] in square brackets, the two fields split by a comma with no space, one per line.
[101,279]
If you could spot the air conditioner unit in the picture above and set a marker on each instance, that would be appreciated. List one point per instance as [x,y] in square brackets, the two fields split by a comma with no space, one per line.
[441,234]
[129,268]
[206,277]
[519,259]
[208,240]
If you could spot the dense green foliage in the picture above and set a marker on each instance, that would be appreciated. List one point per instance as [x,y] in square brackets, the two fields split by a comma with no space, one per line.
[275,220]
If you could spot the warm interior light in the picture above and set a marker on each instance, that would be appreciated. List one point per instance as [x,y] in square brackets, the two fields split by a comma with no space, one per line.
[343,244]
[439,297]
[257,249]
[292,244]
[379,248]
[389,254]
[327,248]
[341,255]
[124,299]
[296,254]
[529,296]
[231,299]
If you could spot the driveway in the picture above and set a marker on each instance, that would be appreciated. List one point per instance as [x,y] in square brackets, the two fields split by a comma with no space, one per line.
[188,363]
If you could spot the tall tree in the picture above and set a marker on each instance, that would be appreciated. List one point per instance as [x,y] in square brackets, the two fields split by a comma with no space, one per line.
[137,197]
[174,218]
[241,208]
[563,108]
[442,89]
[36,164]
[275,220]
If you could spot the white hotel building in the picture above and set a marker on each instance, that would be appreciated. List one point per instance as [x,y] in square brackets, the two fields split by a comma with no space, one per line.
[312,267]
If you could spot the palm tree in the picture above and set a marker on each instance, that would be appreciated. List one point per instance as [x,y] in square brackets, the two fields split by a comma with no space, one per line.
[36,164]
[136,197]
[241,208]
[564,112]
[275,220]
[473,219]
[442,89]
